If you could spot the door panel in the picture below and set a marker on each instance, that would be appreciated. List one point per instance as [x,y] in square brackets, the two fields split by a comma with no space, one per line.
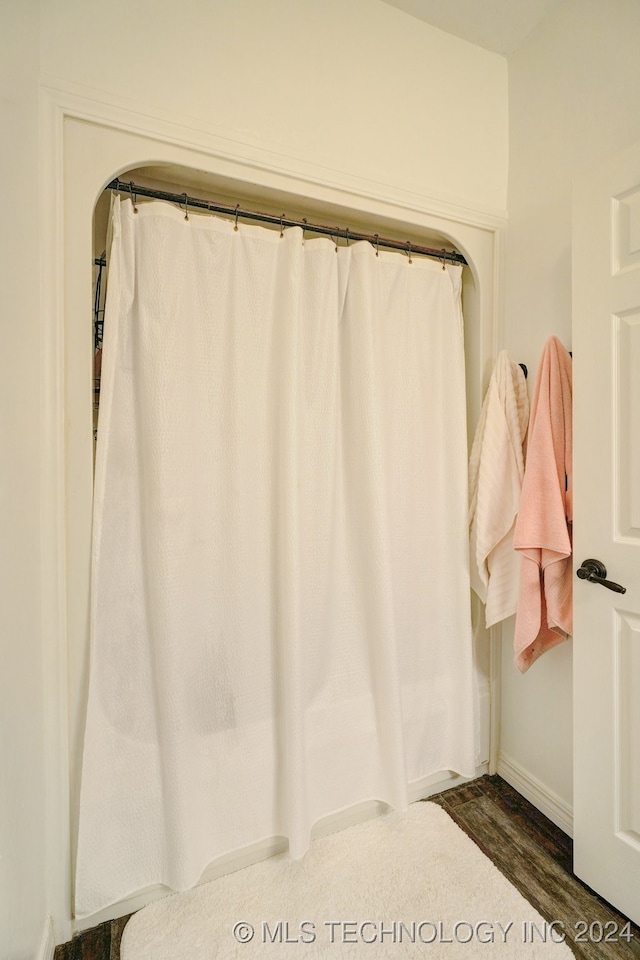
[627,334]
[627,733]
[606,349]
[626,229]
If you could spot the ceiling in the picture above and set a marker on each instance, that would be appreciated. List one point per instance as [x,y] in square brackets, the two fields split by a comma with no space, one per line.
[497,25]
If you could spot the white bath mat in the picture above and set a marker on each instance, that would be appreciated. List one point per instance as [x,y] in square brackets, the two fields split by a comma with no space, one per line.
[403,885]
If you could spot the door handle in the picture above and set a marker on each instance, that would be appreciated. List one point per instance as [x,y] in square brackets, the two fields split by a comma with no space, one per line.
[595,572]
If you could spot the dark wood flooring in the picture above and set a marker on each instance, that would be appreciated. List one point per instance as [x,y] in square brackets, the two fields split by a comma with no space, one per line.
[99,943]
[536,857]
[529,850]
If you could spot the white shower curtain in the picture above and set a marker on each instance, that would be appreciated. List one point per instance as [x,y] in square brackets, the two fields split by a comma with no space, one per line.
[280,589]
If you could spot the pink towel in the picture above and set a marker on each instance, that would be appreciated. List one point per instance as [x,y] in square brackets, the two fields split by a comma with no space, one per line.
[542,535]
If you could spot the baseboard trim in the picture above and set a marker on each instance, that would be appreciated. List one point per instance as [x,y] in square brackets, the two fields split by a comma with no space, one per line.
[48,942]
[548,802]
[438,782]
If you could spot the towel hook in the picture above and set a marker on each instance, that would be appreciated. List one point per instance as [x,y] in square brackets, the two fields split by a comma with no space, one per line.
[133,197]
[235,226]
[523,367]
[186,206]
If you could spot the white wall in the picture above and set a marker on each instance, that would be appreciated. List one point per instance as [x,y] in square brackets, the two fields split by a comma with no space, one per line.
[574,98]
[348,90]
[22,782]
[355,86]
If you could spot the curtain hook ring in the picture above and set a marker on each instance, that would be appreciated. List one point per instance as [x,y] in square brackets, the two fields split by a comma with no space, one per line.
[335,239]
[186,206]
[444,259]
[235,226]
[304,227]
[377,240]
[133,197]
[409,250]
[347,235]
[282,226]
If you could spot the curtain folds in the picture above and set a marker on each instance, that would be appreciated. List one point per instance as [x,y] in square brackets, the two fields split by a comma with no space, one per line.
[280,586]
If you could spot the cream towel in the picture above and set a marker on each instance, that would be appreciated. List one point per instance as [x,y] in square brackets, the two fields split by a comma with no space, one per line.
[496,470]
[543,530]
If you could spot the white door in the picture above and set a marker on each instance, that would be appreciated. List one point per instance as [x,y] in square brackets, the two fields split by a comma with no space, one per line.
[606,370]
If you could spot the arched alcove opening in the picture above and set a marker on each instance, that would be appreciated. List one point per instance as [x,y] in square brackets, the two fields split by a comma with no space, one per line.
[93,155]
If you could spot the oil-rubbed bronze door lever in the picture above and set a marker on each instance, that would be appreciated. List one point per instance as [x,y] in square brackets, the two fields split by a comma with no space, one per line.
[595,572]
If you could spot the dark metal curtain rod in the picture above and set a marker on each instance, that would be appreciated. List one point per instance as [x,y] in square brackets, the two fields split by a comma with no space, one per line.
[185,201]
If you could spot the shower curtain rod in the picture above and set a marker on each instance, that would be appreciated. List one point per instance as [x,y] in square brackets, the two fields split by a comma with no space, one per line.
[185,201]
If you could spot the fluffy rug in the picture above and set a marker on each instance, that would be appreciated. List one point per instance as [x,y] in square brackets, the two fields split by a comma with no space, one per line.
[403,885]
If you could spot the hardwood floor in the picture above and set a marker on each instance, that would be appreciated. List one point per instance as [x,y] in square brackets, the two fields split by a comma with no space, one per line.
[99,943]
[536,857]
[531,852]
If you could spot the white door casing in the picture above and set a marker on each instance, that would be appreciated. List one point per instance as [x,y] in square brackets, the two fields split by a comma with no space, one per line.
[606,345]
